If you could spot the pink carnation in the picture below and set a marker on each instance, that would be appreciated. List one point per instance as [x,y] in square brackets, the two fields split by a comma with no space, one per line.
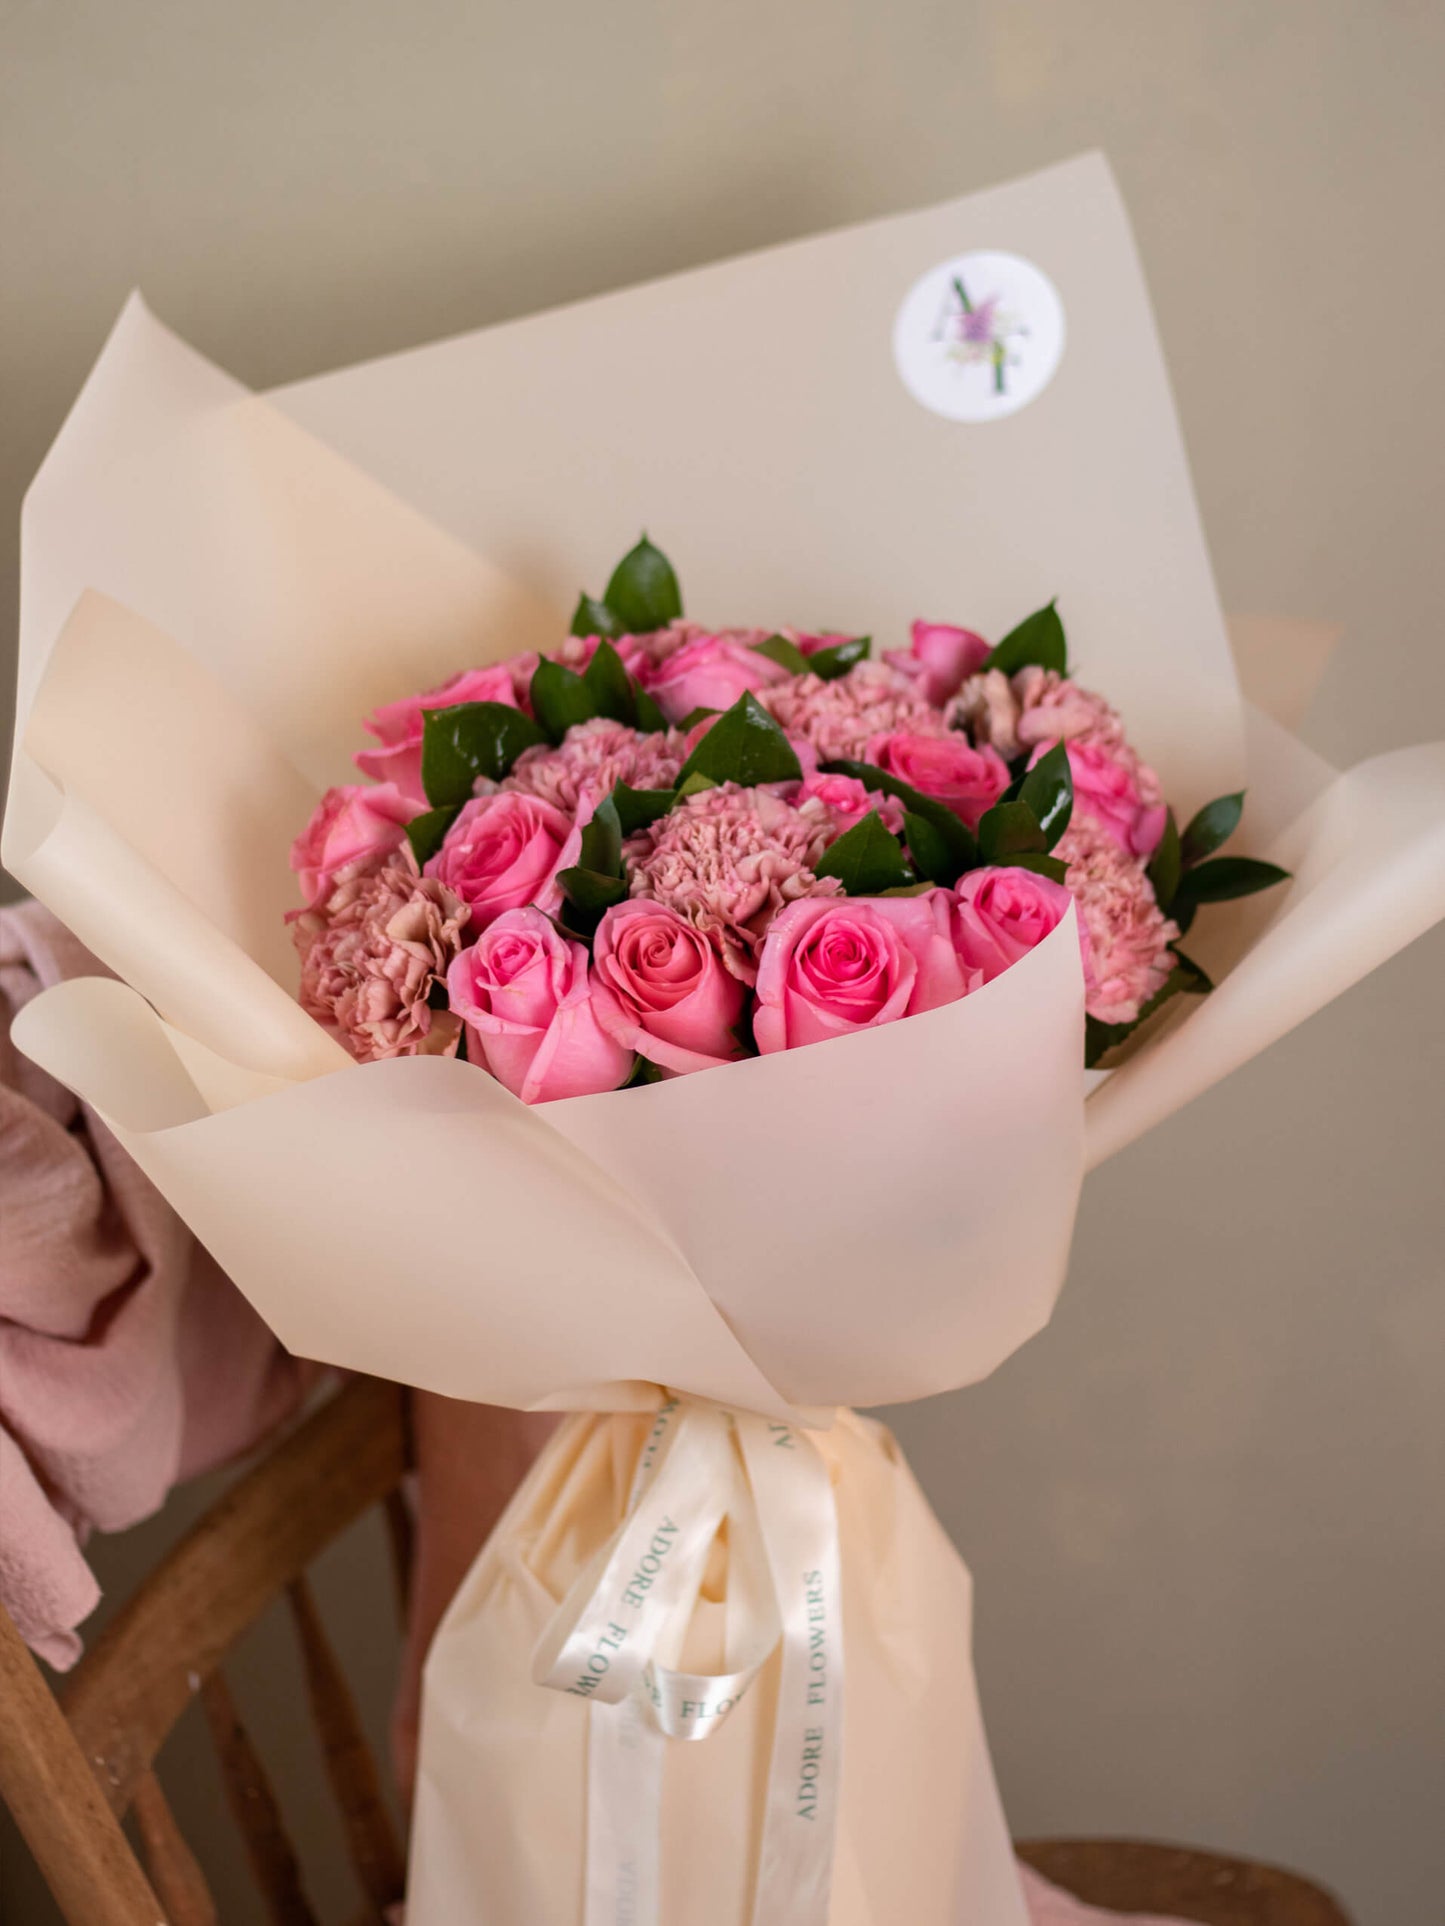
[848,801]
[1035,706]
[371,955]
[398,726]
[728,859]
[1128,935]
[591,758]
[841,717]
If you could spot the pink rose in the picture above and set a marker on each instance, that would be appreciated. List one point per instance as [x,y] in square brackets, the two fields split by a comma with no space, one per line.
[947,767]
[398,726]
[710,672]
[1118,791]
[848,801]
[939,659]
[523,993]
[832,965]
[1001,914]
[660,988]
[355,824]
[501,852]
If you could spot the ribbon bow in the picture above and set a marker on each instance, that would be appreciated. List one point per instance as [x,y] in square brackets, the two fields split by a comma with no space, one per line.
[617,1637]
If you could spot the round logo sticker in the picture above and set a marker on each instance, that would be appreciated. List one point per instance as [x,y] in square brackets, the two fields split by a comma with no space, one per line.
[979,336]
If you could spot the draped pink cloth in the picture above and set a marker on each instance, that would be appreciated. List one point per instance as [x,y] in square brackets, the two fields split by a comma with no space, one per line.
[128,1361]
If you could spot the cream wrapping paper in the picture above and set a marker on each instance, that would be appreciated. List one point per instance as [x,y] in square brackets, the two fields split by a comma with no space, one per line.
[504,1766]
[217,586]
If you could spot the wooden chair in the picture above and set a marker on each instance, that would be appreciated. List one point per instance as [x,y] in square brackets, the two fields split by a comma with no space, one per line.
[70,1770]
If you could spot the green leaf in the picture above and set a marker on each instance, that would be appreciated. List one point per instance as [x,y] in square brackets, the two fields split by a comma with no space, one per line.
[929,851]
[636,808]
[1224,877]
[1211,826]
[744,746]
[643,1071]
[427,832]
[1039,639]
[650,719]
[590,891]
[643,593]
[560,698]
[837,659]
[610,686]
[471,739]
[1165,864]
[786,654]
[1099,1037]
[601,849]
[956,835]
[1010,829]
[595,618]
[866,860]
[1048,790]
[1197,982]
[910,889]
[1049,866]
[695,716]
[694,785]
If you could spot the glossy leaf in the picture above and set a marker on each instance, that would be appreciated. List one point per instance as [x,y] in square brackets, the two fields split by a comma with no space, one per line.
[1165,864]
[610,687]
[1040,864]
[1211,827]
[1008,830]
[786,654]
[648,717]
[471,739]
[637,808]
[956,835]
[560,698]
[1048,790]
[745,745]
[867,859]
[1038,639]
[602,841]
[592,617]
[427,832]
[928,851]
[839,657]
[591,891]
[694,785]
[643,593]
[1223,878]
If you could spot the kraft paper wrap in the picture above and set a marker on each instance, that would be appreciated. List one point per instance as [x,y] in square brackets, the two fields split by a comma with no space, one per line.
[217,586]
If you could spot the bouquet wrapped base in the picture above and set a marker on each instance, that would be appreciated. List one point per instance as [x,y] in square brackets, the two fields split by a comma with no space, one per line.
[501,1829]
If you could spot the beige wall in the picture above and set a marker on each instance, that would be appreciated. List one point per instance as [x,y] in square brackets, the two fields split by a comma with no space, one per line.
[1204,1508]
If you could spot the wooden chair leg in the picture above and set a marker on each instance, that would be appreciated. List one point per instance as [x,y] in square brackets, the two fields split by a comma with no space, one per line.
[253,1804]
[173,1867]
[47,1783]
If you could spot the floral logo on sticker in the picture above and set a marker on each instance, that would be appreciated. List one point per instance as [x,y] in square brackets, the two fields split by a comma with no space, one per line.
[979,337]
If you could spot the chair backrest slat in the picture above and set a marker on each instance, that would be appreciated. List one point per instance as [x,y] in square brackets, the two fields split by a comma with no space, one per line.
[49,1786]
[371,1838]
[131,1687]
[255,1809]
[174,1872]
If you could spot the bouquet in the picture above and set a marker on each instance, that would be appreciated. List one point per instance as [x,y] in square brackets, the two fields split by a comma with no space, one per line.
[655,849]
[662,848]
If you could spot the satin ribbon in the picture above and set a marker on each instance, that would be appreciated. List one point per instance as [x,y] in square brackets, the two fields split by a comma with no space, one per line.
[616,1638]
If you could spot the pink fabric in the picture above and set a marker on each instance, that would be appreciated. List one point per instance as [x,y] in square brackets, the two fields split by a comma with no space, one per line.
[127,1360]
[1050,1906]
